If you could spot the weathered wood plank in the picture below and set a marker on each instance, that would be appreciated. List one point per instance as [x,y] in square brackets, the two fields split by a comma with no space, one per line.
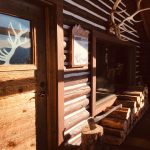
[17,86]
[16,75]
[17,121]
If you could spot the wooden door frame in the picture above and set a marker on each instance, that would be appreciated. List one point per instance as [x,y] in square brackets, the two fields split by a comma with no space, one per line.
[55,72]
[55,75]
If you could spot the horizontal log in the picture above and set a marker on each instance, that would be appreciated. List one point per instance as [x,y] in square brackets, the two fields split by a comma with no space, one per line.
[70,89]
[104,99]
[121,109]
[120,113]
[77,142]
[133,93]
[79,12]
[76,106]
[107,113]
[88,5]
[65,44]
[74,141]
[75,130]
[126,103]
[72,101]
[73,120]
[130,98]
[79,81]
[77,93]
[68,19]
[112,140]
[137,99]
[114,132]
[114,123]
[102,104]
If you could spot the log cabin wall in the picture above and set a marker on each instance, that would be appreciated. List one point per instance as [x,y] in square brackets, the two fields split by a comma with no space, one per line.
[90,14]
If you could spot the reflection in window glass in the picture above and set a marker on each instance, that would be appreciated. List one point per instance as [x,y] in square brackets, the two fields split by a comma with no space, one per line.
[15,42]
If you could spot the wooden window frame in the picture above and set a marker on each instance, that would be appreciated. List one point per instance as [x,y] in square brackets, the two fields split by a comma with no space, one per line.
[22,67]
[79,31]
[103,37]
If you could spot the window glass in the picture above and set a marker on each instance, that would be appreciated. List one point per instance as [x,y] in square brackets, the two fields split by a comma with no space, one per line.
[15,41]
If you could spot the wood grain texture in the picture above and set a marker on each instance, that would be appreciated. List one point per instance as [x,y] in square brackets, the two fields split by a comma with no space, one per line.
[76,13]
[77,93]
[22,120]
[114,123]
[76,129]
[76,106]
[75,119]
[17,121]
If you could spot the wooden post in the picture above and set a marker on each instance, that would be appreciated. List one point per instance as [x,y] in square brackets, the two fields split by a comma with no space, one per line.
[91,135]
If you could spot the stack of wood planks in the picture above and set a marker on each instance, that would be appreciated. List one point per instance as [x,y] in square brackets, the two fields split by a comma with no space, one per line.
[120,122]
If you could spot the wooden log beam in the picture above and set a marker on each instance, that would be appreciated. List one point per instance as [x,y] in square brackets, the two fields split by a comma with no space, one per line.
[75,130]
[98,118]
[128,97]
[77,93]
[133,93]
[123,108]
[72,120]
[76,106]
[114,123]
[103,103]
[126,103]
[120,113]
[71,144]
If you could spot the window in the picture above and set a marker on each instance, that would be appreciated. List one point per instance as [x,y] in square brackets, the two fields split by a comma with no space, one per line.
[113,69]
[15,41]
